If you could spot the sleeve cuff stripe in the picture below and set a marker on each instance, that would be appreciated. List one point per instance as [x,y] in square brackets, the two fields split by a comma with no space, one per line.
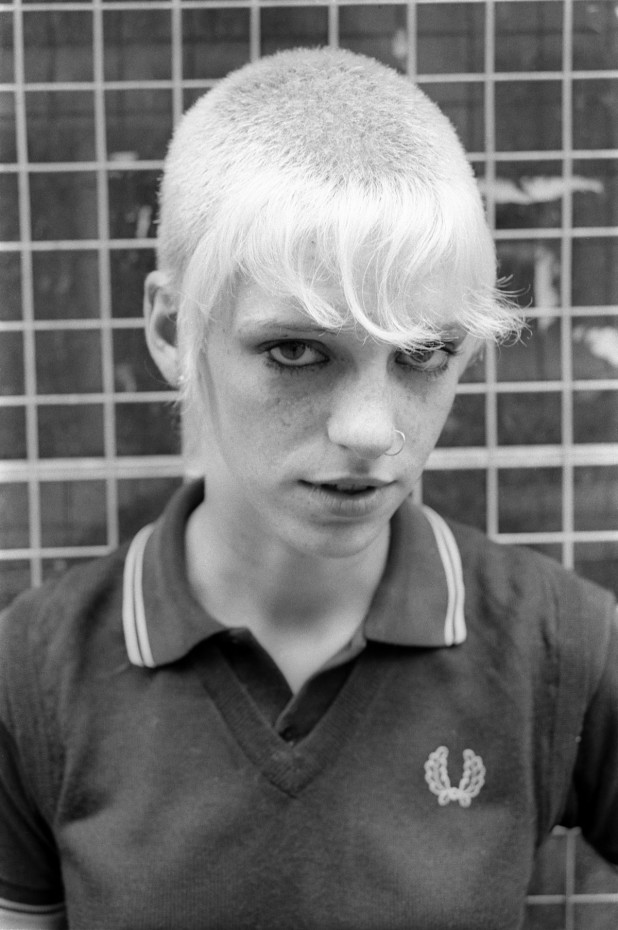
[16,907]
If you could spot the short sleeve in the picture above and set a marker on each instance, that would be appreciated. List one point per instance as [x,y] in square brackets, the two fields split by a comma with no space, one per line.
[596,771]
[29,863]
[29,869]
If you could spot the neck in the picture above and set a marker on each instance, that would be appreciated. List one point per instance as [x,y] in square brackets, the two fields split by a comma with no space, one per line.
[286,586]
[301,607]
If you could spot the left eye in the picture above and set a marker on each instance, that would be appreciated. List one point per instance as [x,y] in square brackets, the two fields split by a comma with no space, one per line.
[295,354]
[428,358]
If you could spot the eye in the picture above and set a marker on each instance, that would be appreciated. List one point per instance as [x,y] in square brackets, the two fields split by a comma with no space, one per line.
[430,358]
[295,354]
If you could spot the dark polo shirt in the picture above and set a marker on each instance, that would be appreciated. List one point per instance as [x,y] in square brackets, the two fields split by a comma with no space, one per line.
[156,771]
[163,621]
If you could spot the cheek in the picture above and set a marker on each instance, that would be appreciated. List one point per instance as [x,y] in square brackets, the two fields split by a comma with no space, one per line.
[253,414]
[273,408]
[427,412]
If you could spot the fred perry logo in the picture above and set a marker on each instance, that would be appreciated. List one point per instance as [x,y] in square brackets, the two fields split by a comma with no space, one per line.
[472,780]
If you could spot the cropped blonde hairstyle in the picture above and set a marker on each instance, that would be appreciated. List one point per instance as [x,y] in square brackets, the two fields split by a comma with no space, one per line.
[320,164]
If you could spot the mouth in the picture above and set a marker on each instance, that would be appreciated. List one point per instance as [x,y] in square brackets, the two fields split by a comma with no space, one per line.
[349,498]
[349,487]
[349,490]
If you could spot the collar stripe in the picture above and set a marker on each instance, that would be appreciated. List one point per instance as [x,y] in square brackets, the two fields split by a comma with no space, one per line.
[133,610]
[44,917]
[455,623]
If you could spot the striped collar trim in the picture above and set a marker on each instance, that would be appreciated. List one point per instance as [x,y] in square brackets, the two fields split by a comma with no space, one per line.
[42,916]
[455,621]
[420,602]
[133,608]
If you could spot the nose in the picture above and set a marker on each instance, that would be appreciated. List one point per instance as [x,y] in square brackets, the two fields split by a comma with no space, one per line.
[362,419]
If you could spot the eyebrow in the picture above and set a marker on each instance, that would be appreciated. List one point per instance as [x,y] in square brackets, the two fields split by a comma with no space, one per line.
[450,332]
[289,326]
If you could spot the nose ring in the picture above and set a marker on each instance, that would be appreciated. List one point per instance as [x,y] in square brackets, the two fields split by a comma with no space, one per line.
[398,443]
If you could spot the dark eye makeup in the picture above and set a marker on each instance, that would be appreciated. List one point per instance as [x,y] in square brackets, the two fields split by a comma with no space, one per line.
[297,355]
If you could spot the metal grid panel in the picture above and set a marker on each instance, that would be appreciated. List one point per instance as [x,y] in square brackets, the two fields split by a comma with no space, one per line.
[82,460]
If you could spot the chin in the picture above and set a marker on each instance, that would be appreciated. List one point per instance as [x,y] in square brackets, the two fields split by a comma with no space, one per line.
[336,542]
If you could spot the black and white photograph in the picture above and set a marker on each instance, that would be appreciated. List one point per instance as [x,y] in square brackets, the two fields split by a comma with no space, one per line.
[308,465]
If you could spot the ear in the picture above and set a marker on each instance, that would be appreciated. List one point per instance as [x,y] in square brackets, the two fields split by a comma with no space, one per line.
[160,326]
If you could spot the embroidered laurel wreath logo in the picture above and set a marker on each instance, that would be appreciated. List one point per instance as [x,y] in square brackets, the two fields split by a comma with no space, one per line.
[472,780]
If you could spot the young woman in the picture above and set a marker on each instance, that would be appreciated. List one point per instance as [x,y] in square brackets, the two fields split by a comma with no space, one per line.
[298,700]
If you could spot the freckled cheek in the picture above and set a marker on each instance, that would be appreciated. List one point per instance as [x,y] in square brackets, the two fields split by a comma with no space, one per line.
[270,420]
[440,414]
[426,418]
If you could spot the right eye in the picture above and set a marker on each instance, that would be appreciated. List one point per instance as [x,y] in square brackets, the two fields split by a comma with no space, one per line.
[294,353]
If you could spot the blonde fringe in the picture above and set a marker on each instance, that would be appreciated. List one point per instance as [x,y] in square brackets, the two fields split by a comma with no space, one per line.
[395,253]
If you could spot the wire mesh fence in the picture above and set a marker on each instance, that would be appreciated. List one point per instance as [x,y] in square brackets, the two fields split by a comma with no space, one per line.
[89,449]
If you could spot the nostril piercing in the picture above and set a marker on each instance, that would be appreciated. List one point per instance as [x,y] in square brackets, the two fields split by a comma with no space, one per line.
[398,443]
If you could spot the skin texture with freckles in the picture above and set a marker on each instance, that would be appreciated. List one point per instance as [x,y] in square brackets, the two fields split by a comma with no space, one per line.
[269,429]
[295,424]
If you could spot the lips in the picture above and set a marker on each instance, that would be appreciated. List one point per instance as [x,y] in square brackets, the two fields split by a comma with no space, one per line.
[348,498]
[346,487]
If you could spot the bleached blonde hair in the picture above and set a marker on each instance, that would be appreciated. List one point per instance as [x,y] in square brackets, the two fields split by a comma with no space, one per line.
[320,164]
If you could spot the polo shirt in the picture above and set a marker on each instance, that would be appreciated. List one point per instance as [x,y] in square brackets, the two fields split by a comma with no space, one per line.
[148,777]
[162,621]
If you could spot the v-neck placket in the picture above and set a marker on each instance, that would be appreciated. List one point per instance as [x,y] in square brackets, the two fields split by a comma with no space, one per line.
[292,715]
[290,766]
[418,603]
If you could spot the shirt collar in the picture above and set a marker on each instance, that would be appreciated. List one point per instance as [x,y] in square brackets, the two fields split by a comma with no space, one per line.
[419,601]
